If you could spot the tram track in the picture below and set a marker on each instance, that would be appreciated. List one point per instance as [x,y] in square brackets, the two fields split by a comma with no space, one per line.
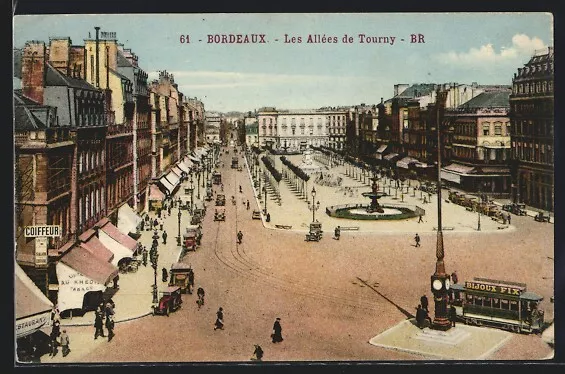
[241,263]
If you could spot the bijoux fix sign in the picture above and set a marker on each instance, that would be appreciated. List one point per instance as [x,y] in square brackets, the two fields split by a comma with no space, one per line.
[42,231]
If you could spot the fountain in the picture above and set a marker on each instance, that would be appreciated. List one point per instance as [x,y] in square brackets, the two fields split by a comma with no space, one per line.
[374,195]
[374,210]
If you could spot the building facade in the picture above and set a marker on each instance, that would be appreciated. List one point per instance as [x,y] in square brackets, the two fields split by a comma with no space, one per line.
[532,134]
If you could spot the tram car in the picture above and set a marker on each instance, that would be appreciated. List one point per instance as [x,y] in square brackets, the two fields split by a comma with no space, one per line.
[501,304]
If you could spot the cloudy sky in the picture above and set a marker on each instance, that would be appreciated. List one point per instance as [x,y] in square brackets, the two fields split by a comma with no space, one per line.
[486,48]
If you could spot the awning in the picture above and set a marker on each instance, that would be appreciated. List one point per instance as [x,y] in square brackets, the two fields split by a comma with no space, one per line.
[173,179]
[194,158]
[495,170]
[382,148]
[33,308]
[405,162]
[120,244]
[458,168]
[155,193]
[95,246]
[391,156]
[80,272]
[128,219]
[167,185]
[177,170]
[451,177]
[183,166]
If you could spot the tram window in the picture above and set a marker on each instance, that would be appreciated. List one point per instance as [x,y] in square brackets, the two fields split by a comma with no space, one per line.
[487,302]
[514,305]
[504,304]
[496,303]
[479,300]
[470,299]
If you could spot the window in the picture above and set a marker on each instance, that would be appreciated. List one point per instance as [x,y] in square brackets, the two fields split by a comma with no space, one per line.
[486,129]
[496,303]
[497,128]
[514,305]
[504,304]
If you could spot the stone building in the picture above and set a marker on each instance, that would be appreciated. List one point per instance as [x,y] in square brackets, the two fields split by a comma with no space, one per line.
[532,134]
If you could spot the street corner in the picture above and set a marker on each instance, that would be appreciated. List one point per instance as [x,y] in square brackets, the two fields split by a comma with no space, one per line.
[458,343]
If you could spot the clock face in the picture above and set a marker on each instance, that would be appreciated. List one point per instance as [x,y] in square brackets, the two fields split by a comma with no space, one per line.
[437,284]
[447,284]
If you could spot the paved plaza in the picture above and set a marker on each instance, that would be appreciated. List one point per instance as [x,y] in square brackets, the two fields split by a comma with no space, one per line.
[351,299]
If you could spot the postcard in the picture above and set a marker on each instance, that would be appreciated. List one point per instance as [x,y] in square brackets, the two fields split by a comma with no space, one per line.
[283,187]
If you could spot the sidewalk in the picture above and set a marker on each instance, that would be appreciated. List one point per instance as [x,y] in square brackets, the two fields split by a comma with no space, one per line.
[135,294]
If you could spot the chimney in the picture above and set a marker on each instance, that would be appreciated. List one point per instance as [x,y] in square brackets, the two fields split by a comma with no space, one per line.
[59,54]
[382,101]
[97,28]
[33,70]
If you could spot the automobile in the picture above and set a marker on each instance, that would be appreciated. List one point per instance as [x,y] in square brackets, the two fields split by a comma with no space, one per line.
[191,237]
[217,177]
[169,301]
[256,214]
[220,215]
[315,232]
[179,276]
[220,200]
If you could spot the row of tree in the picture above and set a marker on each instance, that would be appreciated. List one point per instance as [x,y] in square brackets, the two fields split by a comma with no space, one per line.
[295,169]
[269,165]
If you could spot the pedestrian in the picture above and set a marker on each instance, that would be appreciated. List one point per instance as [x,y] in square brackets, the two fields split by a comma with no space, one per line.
[454,278]
[239,237]
[417,240]
[164,237]
[165,274]
[219,324]
[65,342]
[268,219]
[420,219]
[144,254]
[155,223]
[258,353]
[115,281]
[277,331]
[159,213]
[110,327]
[190,280]
[420,316]
[55,332]
[98,325]
[247,204]
[424,302]
[509,218]
[161,226]
[142,225]
[240,190]
[169,210]
[337,232]
[109,311]
[452,314]
[200,293]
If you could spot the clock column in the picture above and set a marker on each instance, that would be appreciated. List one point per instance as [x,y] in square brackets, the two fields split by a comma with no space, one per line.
[440,280]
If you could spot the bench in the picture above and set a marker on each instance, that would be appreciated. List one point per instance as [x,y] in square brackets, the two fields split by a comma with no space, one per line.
[349,228]
[445,228]
[286,227]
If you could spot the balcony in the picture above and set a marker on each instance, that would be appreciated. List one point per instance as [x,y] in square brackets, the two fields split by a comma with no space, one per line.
[120,130]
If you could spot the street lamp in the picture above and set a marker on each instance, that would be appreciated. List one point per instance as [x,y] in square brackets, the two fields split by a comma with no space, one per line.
[313,207]
[265,193]
[198,171]
[154,256]
[178,237]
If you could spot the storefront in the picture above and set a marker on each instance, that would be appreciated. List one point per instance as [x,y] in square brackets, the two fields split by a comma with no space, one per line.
[121,245]
[128,220]
[156,197]
[82,278]
[32,313]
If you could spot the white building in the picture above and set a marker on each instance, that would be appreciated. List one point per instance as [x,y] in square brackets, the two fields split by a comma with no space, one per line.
[294,130]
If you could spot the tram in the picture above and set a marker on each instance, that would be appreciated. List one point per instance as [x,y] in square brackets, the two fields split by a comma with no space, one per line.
[501,304]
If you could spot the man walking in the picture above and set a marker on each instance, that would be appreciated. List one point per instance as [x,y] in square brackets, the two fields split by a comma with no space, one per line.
[417,240]
[420,220]
[98,324]
[219,324]
[165,274]
[277,331]
[110,327]
[337,232]
[164,237]
[452,314]
[247,204]
[239,237]
[509,218]
[65,341]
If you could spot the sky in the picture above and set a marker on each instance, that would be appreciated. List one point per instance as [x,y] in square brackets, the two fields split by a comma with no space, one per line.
[486,48]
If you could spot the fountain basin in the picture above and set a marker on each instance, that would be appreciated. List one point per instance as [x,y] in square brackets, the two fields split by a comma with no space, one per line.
[359,212]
